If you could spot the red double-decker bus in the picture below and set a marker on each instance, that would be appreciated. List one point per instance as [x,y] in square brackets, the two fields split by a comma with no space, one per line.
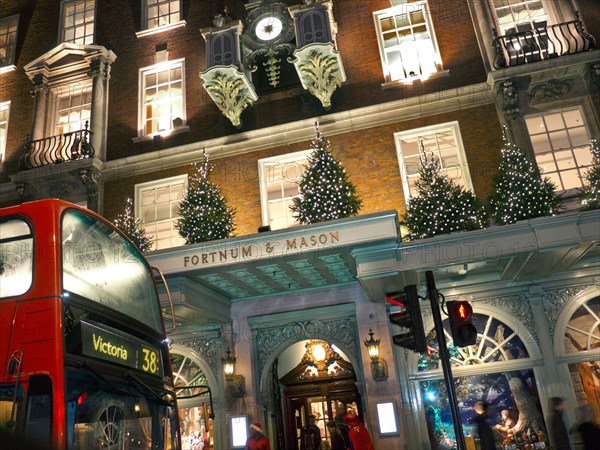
[83,355]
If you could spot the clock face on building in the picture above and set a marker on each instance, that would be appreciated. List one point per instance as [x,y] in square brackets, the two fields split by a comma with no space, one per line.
[268,28]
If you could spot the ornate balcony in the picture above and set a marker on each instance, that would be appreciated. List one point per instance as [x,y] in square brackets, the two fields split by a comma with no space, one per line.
[539,42]
[57,149]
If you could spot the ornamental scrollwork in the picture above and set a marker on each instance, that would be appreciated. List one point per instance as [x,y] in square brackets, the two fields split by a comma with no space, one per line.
[340,331]
[508,96]
[550,90]
[555,301]
[517,306]
[230,93]
[207,349]
[320,75]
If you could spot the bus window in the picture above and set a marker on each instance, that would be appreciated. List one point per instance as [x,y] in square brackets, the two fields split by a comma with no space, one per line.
[100,265]
[16,257]
[10,407]
[38,426]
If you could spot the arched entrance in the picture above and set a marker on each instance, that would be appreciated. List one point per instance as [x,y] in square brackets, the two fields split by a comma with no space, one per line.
[314,378]
[194,402]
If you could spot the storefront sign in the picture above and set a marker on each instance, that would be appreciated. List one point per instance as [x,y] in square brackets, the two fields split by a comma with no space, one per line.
[120,348]
[249,251]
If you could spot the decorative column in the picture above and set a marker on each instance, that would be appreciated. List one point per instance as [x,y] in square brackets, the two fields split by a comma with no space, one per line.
[100,74]
[40,94]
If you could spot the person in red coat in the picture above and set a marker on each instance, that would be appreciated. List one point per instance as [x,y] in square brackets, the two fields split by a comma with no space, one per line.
[359,435]
[257,439]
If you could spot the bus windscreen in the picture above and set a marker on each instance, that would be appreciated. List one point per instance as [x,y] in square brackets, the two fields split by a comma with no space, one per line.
[100,265]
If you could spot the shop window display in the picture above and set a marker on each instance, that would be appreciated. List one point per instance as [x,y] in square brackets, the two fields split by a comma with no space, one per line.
[514,409]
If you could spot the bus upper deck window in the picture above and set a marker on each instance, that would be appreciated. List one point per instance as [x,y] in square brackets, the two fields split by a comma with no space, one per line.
[16,257]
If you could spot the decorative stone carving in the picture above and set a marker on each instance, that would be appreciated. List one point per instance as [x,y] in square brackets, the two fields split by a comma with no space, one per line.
[341,331]
[550,90]
[207,349]
[517,306]
[592,80]
[554,302]
[320,70]
[90,178]
[26,191]
[506,91]
[40,84]
[231,91]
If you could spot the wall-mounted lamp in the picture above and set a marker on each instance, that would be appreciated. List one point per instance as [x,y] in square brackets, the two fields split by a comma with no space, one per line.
[378,365]
[236,383]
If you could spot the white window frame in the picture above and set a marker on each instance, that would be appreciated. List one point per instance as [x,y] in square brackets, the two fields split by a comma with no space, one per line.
[581,169]
[463,176]
[9,26]
[146,30]
[176,239]
[4,106]
[88,38]
[264,177]
[162,66]
[82,89]
[524,4]
[407,8]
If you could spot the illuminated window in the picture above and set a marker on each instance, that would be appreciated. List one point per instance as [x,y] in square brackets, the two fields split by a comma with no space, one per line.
[158,13]
[73,108]
[445,142]
[157,205]
[8,41]
[518,15]
[407,42]
[4,111]
[162,97]
[279,177]
[560,142]
[78,21]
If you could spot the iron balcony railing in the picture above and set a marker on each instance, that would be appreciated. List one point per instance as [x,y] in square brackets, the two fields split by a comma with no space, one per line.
[57,149]
[540,42]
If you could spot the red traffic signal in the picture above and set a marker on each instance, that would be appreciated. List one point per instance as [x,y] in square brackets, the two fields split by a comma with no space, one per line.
[409,318]
[460,316]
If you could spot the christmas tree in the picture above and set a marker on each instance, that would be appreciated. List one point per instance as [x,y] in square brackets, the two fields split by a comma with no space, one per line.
[128,224]
[203,211]
[520,191]
[440,206]
[591,191]
[326,193]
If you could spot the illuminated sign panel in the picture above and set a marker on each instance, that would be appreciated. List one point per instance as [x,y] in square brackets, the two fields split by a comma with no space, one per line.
[120,348]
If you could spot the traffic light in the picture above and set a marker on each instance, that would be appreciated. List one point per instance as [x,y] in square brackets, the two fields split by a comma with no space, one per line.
[460,315]
[409,317]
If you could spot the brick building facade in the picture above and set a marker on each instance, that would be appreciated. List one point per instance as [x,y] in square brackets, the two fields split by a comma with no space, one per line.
[131,81]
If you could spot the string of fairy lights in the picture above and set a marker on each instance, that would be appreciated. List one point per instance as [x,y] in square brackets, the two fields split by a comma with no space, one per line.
[440,205]
[325,190]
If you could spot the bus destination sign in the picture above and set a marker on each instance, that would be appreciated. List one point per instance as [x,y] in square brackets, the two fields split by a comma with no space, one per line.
[120,348]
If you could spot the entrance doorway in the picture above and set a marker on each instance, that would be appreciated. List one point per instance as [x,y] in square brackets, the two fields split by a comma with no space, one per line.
[322,384]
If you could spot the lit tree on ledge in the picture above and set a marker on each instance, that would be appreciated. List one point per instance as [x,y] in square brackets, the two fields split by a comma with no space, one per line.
[520,190]
[591,191]
[203,211]
[440,206]
[132,227]
[326,193]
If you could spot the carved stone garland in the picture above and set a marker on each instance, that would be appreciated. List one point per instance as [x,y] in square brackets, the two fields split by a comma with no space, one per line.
[342,331]
[550,90]
[506,92]
[207,349]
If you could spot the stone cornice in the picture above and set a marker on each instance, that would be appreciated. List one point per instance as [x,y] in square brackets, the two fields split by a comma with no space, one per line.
[302,130]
